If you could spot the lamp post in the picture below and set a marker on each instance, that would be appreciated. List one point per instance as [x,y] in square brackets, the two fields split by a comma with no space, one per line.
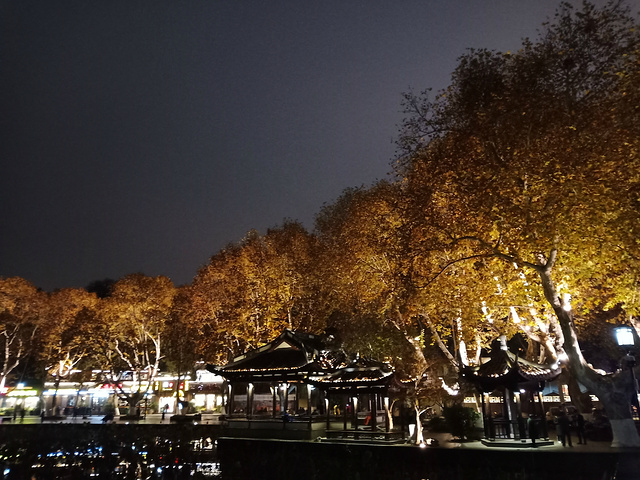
[624,337]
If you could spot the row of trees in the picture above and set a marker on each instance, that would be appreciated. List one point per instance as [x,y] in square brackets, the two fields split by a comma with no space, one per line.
[514,208]
[73,329]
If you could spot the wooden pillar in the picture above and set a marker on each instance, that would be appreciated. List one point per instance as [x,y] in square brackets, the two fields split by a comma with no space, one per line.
[249,412]
[274,393]
[286,398]
[520,423]
[231,402]
[387,412]
[506,404]
[374,412]
[543,418]
[327,404]
[485,423]
[309,405]
[344,411]
[354,409]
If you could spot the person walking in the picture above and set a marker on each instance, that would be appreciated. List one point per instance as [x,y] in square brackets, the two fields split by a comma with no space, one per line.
[564,429]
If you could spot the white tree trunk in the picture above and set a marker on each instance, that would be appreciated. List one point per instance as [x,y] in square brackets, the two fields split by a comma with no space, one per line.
[419,430]
[625,433]
[614,391]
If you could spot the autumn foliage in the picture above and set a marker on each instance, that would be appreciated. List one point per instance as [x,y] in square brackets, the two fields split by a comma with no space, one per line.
[513,209]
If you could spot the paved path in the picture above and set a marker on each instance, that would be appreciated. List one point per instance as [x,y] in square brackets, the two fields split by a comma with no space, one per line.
[155,418]
[445,440]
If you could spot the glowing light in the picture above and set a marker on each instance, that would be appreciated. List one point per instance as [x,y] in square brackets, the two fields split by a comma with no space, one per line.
[624,336]
[486,313]
[450,390]
[566,302]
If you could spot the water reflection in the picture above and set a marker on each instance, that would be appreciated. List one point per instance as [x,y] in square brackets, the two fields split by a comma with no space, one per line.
[108,453]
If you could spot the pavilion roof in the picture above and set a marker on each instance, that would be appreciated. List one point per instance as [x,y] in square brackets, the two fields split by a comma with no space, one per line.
[314,359]
[505,369]
[360,374]
[291,354]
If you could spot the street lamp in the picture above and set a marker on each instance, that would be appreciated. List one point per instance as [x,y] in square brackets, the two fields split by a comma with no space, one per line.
[624,337]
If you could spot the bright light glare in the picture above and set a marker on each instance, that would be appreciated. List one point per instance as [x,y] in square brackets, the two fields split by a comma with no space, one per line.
[566,302]
[624,336]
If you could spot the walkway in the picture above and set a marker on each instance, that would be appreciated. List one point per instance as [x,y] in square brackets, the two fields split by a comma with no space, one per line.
[155,418]
[445,440]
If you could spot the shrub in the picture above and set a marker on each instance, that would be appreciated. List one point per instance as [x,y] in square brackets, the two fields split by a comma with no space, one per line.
[460,420]
[437,424]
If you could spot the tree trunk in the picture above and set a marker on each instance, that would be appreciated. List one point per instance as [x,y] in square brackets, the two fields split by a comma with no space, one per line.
[54,399]
[614,391]
[131,410]
[582,401]
[419,433]
[389,411]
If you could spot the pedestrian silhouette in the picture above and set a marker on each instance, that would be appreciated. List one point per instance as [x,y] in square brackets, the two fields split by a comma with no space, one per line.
[564,429]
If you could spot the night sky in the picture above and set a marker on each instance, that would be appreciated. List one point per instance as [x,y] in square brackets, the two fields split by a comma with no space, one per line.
[143,136]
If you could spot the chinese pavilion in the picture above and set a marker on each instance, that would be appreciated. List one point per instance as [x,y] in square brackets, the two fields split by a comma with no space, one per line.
[519,384]
[308,386]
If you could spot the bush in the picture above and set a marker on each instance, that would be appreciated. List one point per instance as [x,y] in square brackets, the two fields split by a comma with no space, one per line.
[460,420]
[436,424]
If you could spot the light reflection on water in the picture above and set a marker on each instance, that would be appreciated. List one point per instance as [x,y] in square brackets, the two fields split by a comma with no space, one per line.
[111,454]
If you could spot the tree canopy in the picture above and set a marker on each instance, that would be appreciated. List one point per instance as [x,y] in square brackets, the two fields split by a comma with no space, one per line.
[528,163]
[513,208]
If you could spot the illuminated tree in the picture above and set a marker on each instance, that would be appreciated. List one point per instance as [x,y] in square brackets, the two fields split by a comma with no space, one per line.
[250,291]
[68,332]
[529,163]
[21,308]
[183,347]
[382,303]
[134,320]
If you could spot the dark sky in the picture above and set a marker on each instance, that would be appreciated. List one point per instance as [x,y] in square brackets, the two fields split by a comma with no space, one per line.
[143,136]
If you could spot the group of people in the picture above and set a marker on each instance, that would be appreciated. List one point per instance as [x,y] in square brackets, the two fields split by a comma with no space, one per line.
[566,423]
[18,412]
